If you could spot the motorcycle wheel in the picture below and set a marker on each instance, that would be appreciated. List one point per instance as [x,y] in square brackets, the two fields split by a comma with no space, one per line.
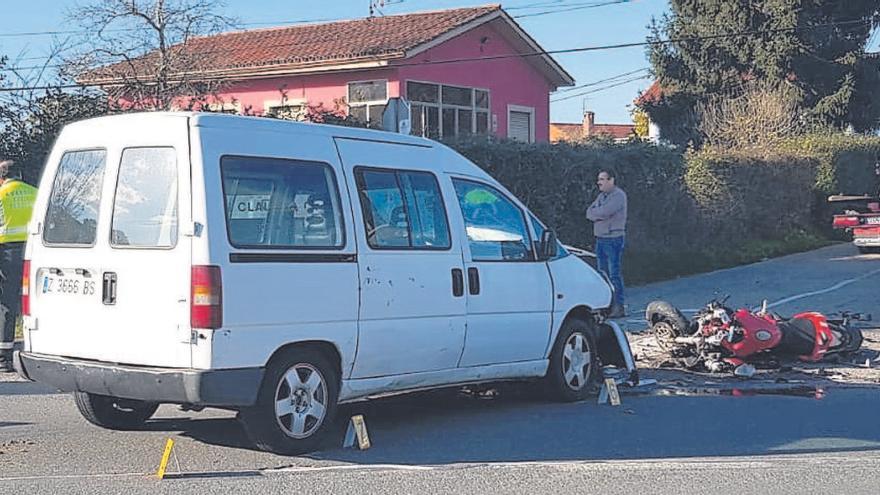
[852,338]
[666,323]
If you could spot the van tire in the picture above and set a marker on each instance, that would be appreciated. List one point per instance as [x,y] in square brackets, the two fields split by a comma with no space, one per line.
[112,412]
[293,433]
[577,339]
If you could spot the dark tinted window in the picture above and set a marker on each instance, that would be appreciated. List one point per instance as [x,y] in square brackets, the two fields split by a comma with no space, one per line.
[281,203]
[72,214]
[145,207]
[402,209]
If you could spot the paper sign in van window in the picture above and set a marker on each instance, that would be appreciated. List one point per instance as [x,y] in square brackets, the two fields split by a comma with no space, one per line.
[249,206]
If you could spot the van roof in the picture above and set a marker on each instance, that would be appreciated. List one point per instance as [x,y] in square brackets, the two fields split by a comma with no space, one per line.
[220,120]
[225,121]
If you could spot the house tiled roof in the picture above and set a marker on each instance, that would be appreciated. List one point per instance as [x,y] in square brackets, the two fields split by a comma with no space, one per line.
[369,39]
[651,95]
[616,131]
[566,132]
[575,132]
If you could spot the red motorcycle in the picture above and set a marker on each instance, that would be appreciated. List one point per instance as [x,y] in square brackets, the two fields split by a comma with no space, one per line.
[721,339]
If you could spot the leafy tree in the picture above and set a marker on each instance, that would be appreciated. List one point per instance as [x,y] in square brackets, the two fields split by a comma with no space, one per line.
[815,46]
[31,119]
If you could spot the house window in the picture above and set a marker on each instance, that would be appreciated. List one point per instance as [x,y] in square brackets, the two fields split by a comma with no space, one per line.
[440,110]
[521,123]
[285,110]
[232,108]
[367,100]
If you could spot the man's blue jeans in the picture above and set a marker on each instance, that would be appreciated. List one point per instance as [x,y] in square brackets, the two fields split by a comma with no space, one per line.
[609,251]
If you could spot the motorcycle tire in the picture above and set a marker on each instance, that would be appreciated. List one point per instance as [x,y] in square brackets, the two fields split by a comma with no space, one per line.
[665,323]
[853,338]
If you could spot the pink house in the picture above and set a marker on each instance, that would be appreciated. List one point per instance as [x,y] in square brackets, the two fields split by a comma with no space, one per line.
[463,71]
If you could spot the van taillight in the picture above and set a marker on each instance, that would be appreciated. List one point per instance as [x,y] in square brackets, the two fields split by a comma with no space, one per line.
[26,288]
[206,303]
[843,221]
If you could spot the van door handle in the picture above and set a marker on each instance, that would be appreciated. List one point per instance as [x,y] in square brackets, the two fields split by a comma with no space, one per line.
[473,281]
[108,288]
[457,282]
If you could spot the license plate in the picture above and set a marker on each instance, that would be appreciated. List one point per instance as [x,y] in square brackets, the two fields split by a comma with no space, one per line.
[873,220]
[65,284]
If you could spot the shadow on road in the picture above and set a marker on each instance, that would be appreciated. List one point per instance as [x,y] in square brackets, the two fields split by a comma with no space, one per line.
[445,427]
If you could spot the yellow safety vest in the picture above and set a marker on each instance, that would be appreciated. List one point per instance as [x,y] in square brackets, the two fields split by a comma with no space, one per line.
[16,205]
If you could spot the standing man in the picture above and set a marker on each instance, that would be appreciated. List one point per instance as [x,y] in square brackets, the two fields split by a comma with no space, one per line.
[16,204]
[608,214]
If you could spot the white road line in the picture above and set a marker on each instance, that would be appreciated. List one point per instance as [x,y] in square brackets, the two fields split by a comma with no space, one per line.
[742,462]
[833,288]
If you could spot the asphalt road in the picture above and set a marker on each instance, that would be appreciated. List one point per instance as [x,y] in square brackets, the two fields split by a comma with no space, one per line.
[446,442]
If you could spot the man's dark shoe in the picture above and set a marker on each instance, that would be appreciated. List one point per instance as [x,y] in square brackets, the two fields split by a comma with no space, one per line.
[6,363]
[617,311]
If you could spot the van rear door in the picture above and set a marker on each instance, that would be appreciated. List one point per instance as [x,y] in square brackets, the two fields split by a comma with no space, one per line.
[110,258]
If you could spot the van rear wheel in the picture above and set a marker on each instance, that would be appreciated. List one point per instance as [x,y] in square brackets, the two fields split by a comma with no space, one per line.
[296,403]
[113,412]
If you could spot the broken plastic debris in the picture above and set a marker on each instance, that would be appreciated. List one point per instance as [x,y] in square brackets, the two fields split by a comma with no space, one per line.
[745,370]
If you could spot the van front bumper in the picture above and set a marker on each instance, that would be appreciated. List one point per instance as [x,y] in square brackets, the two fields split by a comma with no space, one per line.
[230,387]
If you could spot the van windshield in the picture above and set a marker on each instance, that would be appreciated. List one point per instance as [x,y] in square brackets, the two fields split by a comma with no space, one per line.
[72,215]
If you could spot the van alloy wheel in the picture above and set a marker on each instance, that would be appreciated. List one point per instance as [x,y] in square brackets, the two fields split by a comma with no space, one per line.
[301,401]
[296,403]
[574,362]
[577,361]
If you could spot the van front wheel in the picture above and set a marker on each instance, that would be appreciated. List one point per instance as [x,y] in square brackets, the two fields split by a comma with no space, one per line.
[574,362]
[112,412]
[296,403]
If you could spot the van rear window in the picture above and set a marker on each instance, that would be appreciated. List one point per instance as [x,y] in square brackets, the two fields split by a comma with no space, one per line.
[72,215]
[276,203]
[145,207]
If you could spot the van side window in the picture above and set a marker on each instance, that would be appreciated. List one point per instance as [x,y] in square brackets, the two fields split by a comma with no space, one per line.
[145,207]
[72,214]
[280,203]
[496,227]
[402,209]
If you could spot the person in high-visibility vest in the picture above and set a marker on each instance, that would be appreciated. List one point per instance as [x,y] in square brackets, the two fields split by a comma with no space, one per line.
[16,205]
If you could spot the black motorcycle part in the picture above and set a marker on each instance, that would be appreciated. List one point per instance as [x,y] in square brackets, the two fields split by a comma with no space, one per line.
[798,337]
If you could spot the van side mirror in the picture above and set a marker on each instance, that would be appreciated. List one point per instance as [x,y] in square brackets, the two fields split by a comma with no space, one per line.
[548,246]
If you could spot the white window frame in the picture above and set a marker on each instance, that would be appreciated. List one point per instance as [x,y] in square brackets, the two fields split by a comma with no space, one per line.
[225,107]
[270,104]
[366,104]
[440,105]
[522,109]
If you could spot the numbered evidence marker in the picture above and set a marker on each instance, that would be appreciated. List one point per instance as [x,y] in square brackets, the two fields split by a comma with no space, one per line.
[609,391]
[165,456]
[357,428]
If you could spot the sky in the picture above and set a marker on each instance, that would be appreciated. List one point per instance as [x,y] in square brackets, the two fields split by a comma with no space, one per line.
[615,23]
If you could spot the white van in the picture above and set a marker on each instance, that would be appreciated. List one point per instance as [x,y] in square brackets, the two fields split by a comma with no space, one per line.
[280,268]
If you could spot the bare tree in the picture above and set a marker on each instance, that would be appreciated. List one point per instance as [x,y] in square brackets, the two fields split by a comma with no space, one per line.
[758,116]
[141,51]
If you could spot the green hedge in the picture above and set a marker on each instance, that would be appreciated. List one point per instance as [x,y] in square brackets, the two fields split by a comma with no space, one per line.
[846,166]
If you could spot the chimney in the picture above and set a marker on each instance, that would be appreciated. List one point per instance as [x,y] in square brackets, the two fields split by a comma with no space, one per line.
[589,121]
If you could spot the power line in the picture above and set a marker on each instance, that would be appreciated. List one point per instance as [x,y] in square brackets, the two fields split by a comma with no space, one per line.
[603,88]
[594,83]
[123,30]
[530,54]
[572,8]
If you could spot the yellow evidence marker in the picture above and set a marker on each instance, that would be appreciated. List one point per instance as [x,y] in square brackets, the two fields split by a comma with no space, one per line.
[165,456]
[357,428]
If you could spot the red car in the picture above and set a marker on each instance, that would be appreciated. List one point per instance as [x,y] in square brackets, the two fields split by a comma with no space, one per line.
[865,227]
